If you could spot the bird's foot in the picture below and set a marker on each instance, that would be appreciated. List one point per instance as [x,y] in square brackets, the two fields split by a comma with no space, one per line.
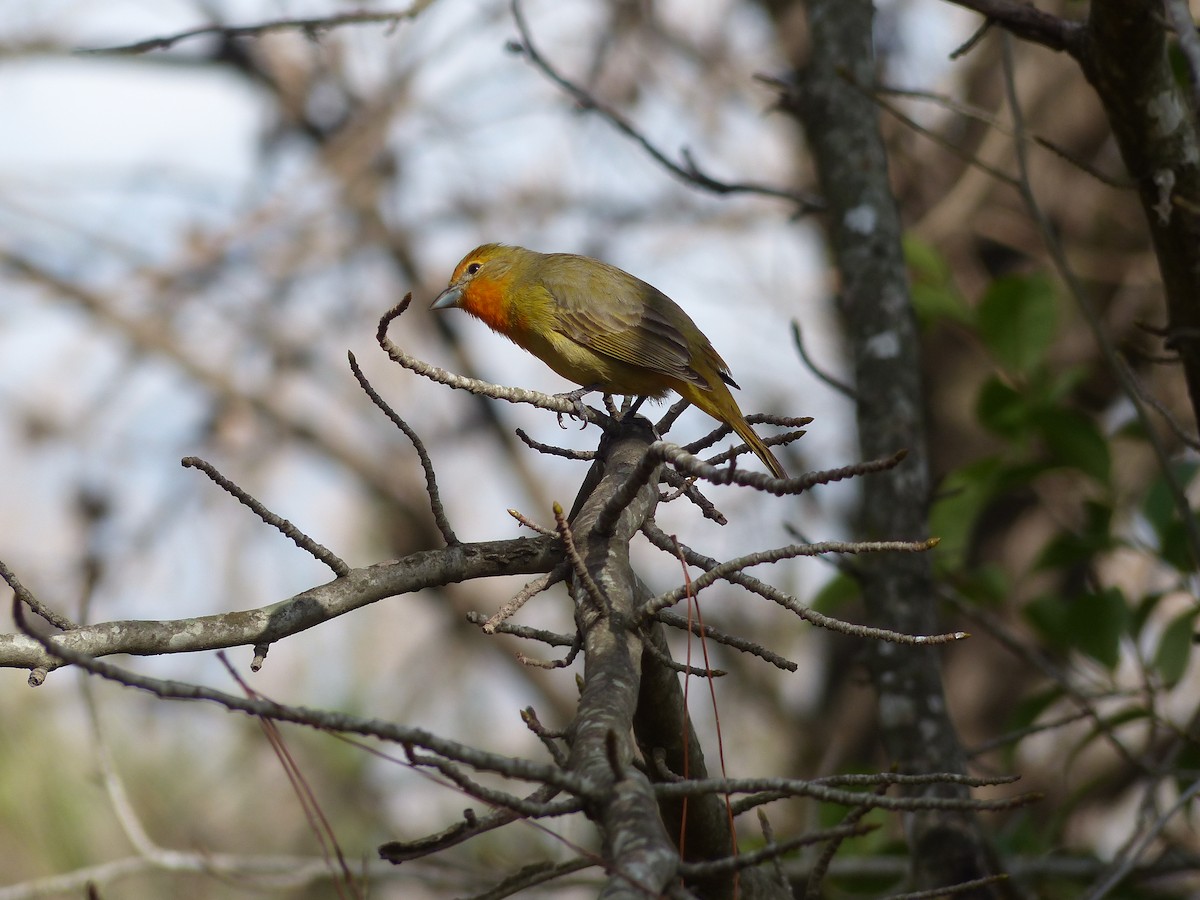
[581,411]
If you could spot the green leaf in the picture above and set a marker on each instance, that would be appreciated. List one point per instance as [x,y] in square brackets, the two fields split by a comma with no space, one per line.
[1097,622]
[1143,610]
[961,497]
[986,585]
[1186,763]
[1175,648]
[1060,385]
[1003,410]
[1159,507]
[1090,623]
[1048,614]
[1017,318]
[1075,441]
[934,296]
[1161,512]
[1175,548]
[1070,548]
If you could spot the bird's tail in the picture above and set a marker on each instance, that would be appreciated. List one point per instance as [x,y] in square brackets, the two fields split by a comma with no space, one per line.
[719,404]
[761,450]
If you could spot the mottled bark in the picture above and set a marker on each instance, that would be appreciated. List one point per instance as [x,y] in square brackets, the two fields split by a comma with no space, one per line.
[1124,56]
[841,123]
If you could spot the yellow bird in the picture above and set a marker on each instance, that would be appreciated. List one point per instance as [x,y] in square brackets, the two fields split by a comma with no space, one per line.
[599,327]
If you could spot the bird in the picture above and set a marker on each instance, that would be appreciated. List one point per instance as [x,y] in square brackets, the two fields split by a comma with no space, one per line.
[600,327]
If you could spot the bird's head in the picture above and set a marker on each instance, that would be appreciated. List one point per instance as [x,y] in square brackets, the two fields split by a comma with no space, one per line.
[487,284]
[478,277]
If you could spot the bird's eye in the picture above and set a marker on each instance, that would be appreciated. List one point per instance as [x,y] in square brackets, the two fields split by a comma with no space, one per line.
[473,268]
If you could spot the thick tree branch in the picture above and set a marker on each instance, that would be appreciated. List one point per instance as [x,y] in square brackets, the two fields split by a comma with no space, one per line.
[267,624]
[664,733]
[1155,127]
[642,856]
[1030,23]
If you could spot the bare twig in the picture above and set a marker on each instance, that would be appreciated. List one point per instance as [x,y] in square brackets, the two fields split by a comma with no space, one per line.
[523,596]
[663,541]
[686,487]
[791,551]
[840,386]
[821,865]
[875,779]
[754,418]
[431,486]
[277,872]
[963,887]
[1031,24]
[971,42]
[1019,734]
[562,663]
[866,779]
[551,450]
[323,720]
[772,851]
[675,620]
[663,425]
[1185,437]
[599,601]
[682,668]
[687,170]
[449,769]
[1031,656]
[549,738]
[1125,863]
[311,27]
[58,620]
[553,638]
[739,450]
[979,114]
[280,524]
[554,403]
[470,826]
[798,787]
[532,876]
[688,464]
[530,524]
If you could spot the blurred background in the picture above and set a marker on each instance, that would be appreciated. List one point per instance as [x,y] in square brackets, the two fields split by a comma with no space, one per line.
[193,237]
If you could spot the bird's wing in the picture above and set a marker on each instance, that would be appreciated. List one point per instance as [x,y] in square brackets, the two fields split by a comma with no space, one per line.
[632,324]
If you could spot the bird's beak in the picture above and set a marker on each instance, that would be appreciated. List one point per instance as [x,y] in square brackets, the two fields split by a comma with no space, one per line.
[447,298]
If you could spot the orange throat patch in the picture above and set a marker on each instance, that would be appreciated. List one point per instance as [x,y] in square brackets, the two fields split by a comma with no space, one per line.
[485,301]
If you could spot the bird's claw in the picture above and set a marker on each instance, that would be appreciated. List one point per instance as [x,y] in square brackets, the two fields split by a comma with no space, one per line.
[581,411]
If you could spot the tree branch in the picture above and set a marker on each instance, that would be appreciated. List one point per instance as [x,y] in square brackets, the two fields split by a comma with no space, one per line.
[1152,119]
[268,624]
[686,171]
[642,856]
[311,27]
[1030,23]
